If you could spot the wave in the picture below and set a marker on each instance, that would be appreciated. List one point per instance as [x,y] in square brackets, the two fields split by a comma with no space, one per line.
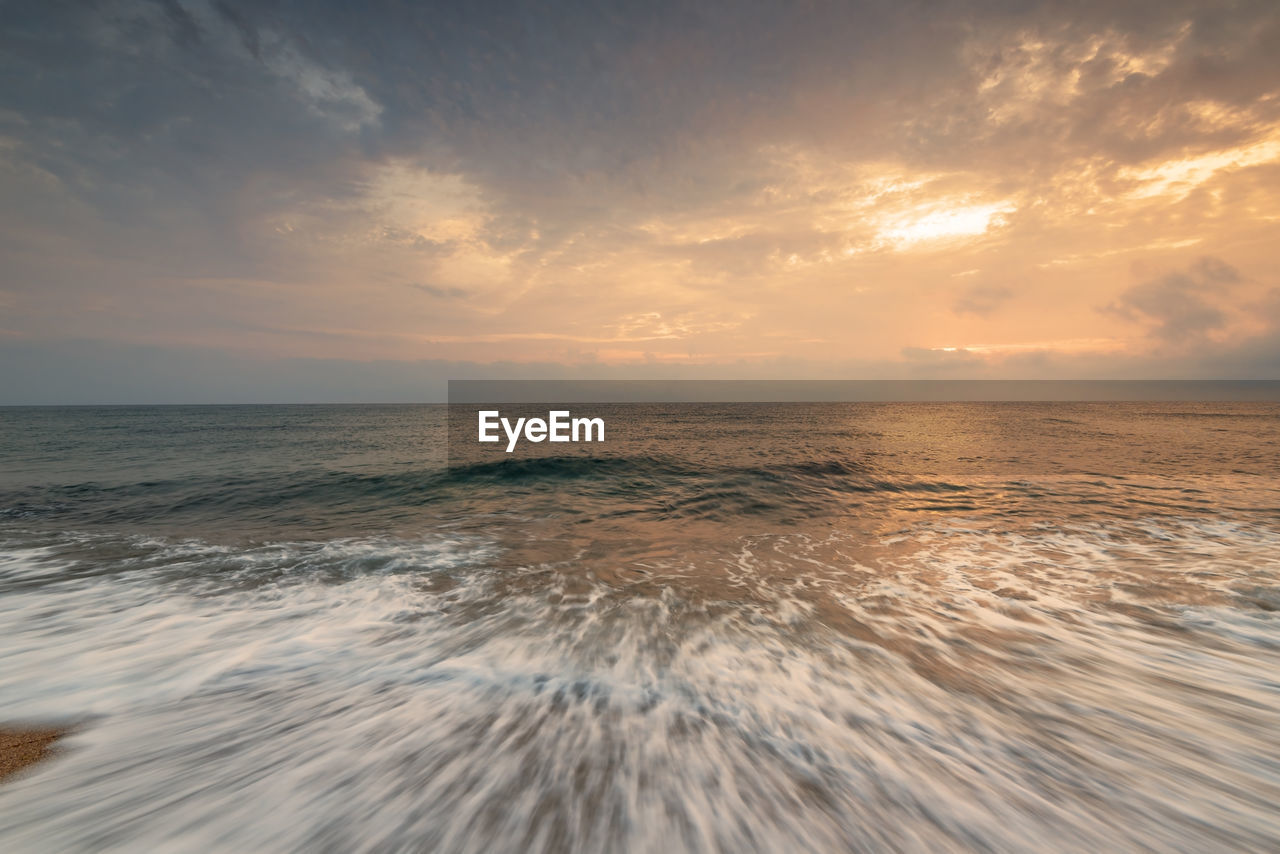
[672,486]
[312,503]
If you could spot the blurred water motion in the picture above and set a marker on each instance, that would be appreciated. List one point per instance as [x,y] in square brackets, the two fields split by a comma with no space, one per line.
[922,628]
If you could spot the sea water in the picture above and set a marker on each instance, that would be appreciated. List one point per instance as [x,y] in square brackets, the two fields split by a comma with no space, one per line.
[844,627]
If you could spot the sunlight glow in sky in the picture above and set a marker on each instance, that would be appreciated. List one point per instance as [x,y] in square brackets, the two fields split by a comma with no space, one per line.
[1060,190]
[943,223]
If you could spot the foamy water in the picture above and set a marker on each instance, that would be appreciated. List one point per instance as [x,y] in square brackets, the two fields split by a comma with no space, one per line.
[980,677]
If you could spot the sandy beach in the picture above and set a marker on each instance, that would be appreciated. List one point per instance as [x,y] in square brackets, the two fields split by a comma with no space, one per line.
[21,747]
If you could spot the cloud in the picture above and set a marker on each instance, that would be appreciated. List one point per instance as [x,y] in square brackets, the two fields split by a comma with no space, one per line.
[982,300]
[1214,271]
[440,292]
[943,362]
[1179,305]
[274,177]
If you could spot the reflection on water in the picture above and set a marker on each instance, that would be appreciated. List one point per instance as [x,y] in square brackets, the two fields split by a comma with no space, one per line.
[297,635]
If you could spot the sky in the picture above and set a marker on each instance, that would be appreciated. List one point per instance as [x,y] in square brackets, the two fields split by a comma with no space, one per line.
[216,201]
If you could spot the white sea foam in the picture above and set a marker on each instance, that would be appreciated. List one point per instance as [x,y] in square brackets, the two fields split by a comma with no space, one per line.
[944,688]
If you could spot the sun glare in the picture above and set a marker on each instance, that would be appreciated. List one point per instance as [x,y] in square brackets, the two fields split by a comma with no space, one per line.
[943,223]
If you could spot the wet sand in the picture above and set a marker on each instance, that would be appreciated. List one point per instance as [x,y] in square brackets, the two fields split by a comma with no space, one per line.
[22,747]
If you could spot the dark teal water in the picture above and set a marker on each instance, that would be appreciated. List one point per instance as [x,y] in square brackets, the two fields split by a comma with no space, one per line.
[913,627]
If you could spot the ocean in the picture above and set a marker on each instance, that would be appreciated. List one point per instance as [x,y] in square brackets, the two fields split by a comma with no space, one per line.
[729,627]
